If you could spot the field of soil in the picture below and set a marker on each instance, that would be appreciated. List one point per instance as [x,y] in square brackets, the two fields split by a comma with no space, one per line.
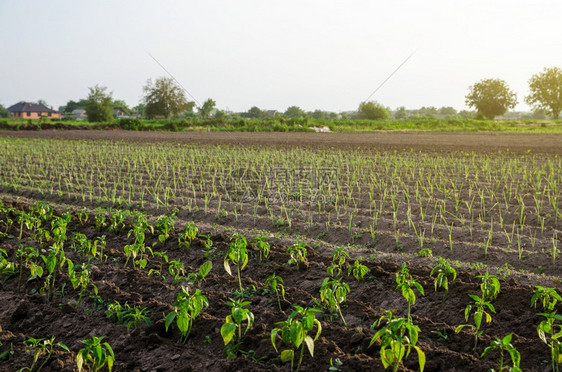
[25,311]
[436,141]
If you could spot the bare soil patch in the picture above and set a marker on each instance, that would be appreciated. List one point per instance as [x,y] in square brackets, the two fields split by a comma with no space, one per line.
[431,141]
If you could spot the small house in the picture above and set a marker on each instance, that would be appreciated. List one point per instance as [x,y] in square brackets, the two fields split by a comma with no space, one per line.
[27,110]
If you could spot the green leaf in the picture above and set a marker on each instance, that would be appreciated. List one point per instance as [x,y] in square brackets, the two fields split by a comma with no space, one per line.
[421,358]
[79,361]
[486,351]
[419,288]
[296,333]
[205,268]
[273,337]
[478,318]
[460,327]
[51,263]
[169,319]
[287,355]
[515,356]
[63,346]
[310,345]
[228,330]
[227,267]
[507,339]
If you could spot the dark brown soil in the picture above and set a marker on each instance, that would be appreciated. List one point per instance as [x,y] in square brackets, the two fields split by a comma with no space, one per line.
[432,141]
[25,313]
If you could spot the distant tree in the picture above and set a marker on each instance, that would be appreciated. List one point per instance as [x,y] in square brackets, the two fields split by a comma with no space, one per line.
[4,113]
[121,105]
[139,109]
[99,105]
[465,114]
[372,111]
[72,105]
[165,98]
[319,114]
[294,112]
[255,113]
[546,91]
[428,112]
[491,97]
[400,113]
[207,108]
[447,111]
[221,115]
[42,102]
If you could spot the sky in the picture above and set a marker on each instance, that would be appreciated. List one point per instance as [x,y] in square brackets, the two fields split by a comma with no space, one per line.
[315,54]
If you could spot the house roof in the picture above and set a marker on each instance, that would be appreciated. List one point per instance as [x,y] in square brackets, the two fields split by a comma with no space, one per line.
[29,107]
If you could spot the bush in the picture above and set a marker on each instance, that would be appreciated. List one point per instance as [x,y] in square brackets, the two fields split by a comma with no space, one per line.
[130,124]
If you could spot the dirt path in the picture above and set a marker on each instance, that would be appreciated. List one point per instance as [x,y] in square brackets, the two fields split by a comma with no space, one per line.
[450,141]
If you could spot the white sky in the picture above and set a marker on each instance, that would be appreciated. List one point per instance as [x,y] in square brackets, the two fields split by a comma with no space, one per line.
[316,54]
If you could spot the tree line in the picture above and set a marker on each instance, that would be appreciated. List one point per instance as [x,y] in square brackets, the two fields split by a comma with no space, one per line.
[164,98]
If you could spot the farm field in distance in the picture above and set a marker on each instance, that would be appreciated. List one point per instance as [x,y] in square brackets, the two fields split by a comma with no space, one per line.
[94,221]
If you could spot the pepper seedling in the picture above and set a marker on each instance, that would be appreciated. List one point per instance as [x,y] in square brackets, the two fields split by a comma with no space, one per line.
[294,332]
[398,337]
[238,314]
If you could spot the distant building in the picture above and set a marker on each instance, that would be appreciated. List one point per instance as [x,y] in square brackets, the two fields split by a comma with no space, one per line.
[79,114]
[26,110]
[510,115]
[270,113]
[120,114]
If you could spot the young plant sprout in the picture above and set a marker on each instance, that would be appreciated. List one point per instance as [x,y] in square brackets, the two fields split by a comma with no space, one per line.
[262,246]
[547,297]
[358,270]
[238,255]
[187,307]
[188,234]
[297,253]
[339,258]
[40,347]
[490,286]
[550,332]
[406,284]
[397,337]
[504,345]
[443,270]
[480,306]
[333,293]
[165,224]
[233,323]
[275,284]
[97,353]
[295,333]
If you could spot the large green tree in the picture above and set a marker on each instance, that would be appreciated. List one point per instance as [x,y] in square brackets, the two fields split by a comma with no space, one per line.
[491,97]
[122,106]
[294,112]
[400,113]
[447,111]
[546,91]
[372,111]
[164,97]
[99,105]
[255,113]
[206,108]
